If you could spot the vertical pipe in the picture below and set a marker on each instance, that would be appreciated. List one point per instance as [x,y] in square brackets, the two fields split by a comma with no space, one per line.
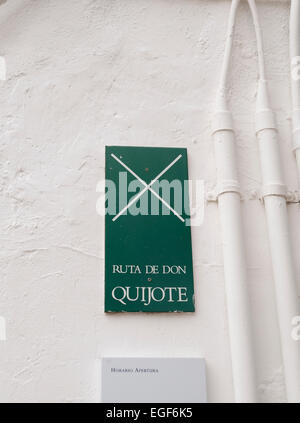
[283,269]
[295,74]
[235,271]
[229,204]
[275,195]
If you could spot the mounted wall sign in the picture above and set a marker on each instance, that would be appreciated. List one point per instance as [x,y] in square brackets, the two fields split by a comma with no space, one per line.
[148,252]
[153,380]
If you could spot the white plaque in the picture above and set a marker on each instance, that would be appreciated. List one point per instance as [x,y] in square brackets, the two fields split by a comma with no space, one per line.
[153,380]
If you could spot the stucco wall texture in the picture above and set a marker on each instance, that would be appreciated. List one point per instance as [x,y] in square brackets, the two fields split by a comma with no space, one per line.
[85,73]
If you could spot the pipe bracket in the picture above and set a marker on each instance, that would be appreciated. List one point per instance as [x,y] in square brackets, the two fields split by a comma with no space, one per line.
[279,190]
[224,187]
[293,197]
[296,139]
[296,131]
[222,121]
[265,119]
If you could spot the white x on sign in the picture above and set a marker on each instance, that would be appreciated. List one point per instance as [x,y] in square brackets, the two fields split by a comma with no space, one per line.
[147,187]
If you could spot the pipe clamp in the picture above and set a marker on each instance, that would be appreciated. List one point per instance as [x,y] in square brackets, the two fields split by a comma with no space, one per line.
[279,190]
[296,131]
[222,121]
[265,119]
[296,139]
[227,186]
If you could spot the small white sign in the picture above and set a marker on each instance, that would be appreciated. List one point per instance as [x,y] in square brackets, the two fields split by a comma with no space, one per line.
[153,380]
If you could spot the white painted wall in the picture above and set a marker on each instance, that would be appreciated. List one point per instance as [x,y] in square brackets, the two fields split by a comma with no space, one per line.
[85,73]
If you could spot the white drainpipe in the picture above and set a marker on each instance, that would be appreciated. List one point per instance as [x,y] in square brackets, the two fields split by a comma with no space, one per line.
[295,76]
[235,270]
[274,194]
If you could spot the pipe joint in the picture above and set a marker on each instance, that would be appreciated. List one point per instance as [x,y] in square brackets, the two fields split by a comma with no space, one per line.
[296,130]
[227,186]
[222,121]
[278,190]
[264,119]
[296,140]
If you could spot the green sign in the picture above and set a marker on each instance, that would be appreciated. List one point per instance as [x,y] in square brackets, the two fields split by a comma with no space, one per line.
[148,252]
